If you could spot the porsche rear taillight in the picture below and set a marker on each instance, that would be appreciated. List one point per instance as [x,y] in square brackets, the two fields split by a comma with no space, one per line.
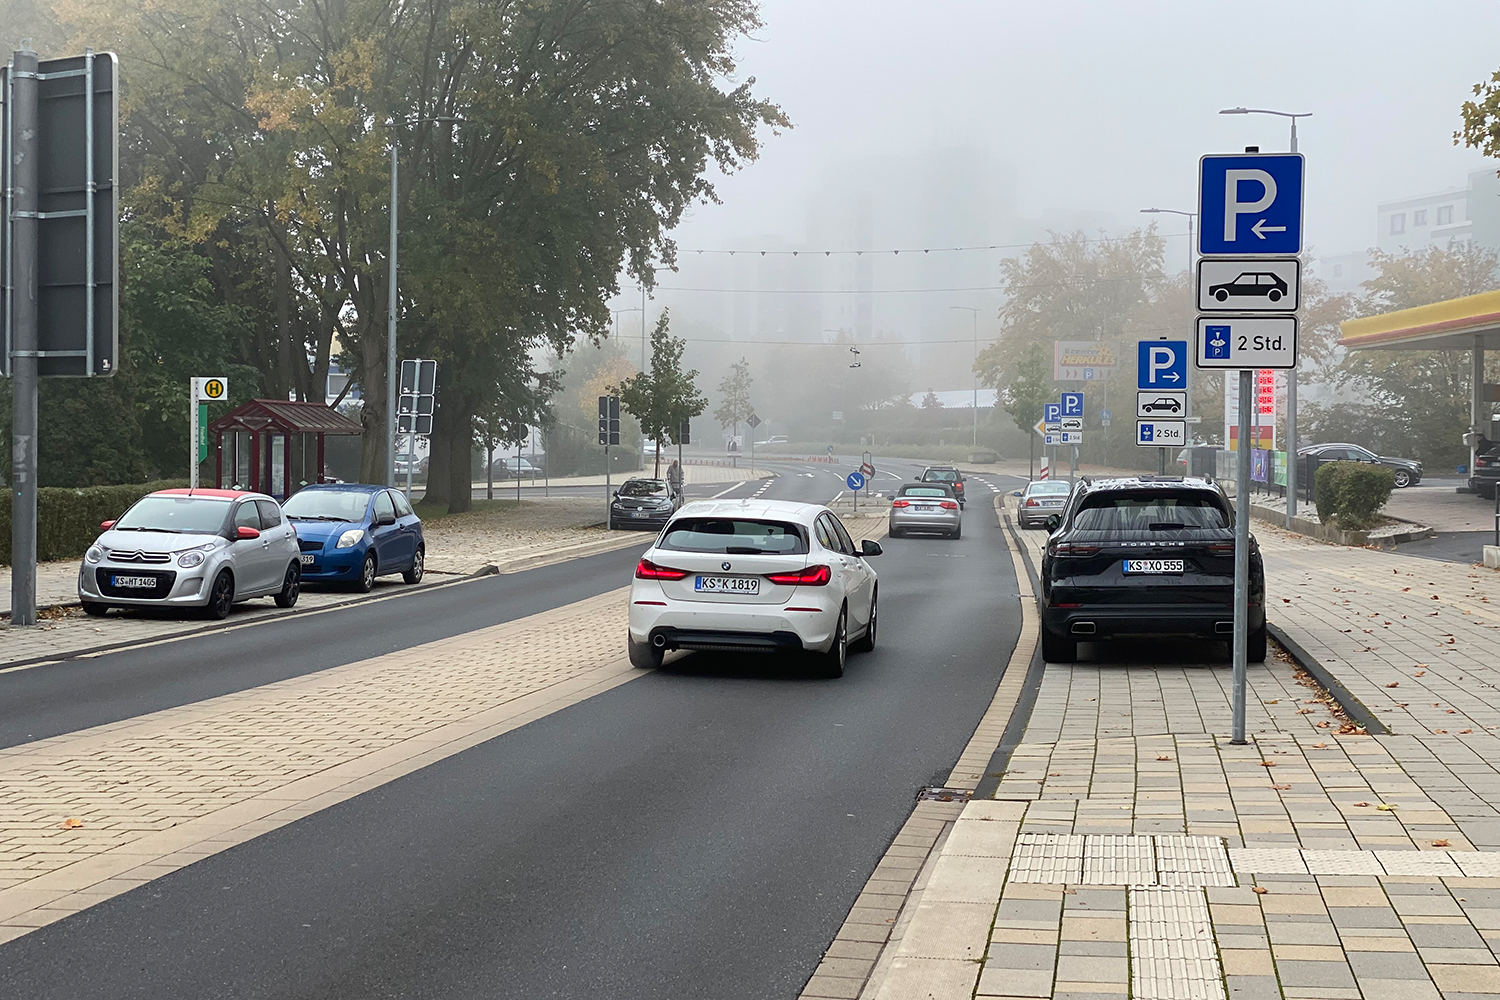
[812,576]
[1074,549]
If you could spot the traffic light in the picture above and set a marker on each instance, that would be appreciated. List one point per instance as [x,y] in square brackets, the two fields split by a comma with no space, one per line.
[415,406]
[609,420]
[683,437]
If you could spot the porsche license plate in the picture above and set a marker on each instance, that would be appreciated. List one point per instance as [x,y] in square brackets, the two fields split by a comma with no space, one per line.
[748,586]
[134,582]
[1156,566]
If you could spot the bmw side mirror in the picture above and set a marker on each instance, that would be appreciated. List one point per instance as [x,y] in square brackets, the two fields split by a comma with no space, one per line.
[869,548]
[1053,522]
[1015,493]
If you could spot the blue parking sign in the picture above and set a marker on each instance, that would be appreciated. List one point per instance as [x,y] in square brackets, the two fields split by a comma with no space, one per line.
[1161,364]
[1072,404]
[1250,203]
[1051,412]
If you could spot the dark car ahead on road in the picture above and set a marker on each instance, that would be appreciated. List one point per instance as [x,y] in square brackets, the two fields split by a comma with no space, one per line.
[1486,474]
[352,533]
[643,503]
[1408,472]
[945,474]
[1147,556]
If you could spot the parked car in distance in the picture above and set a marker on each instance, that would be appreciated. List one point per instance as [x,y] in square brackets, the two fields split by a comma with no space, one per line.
[755,576]
[1486,473]
[945,474]
[1145,556]
[512,467]
[926,507]
[1408,472]
[354,533]
[1260,284]
[204,549]
[772,440]
[643,504]
[1040,500]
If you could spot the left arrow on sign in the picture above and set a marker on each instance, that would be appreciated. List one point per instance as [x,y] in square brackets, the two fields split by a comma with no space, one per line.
[1260,229]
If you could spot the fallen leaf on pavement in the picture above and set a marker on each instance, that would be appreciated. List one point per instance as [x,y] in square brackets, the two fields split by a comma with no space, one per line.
[72,823]
[1259,890]
[1441,732]
[1281,788]
[1420,673]
[1387,807]
[1439,843]
[1320,746]
[1163,757]
[1361,805]
[1324,724]
[1394,684]
[1464,732]
[1274,701]
[1268,763]
[1405,589]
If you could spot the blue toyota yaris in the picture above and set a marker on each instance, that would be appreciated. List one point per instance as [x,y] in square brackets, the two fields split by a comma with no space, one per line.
[351,533]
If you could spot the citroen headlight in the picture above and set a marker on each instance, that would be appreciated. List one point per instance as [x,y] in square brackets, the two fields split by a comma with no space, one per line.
[94,554]
[190,559]
[350,538]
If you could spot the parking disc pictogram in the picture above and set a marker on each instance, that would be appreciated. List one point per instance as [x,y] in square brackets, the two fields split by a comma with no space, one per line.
[855,481]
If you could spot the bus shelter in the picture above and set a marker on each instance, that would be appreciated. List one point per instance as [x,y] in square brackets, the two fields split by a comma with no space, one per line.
[1470,323]
[275,446]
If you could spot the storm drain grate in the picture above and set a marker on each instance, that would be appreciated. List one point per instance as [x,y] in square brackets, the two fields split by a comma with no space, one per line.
[935,793]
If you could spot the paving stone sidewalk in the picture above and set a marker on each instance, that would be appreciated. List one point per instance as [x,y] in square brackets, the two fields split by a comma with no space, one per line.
[1132,850]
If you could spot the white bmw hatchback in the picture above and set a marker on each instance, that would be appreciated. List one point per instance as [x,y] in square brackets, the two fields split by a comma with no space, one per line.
[746,575]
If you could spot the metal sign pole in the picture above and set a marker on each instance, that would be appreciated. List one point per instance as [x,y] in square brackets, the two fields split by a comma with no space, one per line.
[1242,554]
[192,434]
[22,148]
[608,525]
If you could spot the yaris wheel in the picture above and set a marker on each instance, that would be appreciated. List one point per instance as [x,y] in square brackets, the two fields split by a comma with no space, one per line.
[418,567]
[366,581]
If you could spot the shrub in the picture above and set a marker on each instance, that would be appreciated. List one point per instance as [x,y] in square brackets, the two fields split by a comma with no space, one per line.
[1351,493]
[68,519]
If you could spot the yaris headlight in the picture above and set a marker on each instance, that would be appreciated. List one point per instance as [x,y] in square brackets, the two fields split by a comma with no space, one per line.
[350,538]
[94,554]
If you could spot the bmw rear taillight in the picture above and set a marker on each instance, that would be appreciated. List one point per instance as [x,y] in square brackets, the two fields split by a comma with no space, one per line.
[812,576]
[900,503]
[1033,502]
[648,570]
[948,505]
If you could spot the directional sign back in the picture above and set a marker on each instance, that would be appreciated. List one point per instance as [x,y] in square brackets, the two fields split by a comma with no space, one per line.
[1250,203]
[1161,364]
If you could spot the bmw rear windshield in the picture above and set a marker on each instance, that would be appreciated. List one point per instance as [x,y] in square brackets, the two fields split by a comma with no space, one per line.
[734,536]
[1152,511]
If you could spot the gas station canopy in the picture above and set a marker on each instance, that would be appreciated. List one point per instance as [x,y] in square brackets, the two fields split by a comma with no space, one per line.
[1453,325]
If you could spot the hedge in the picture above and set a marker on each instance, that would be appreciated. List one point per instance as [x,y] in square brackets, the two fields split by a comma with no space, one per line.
[1351,493]
[68,519]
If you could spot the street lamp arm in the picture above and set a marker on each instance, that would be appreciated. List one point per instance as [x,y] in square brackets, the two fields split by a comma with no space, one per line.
[1266,111]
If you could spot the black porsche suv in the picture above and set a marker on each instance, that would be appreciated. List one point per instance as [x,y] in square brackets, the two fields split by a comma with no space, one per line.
[1147,556]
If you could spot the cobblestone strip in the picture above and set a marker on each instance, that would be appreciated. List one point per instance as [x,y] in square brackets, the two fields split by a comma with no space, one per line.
[90,814]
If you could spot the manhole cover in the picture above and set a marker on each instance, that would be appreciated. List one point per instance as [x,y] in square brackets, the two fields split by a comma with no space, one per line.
[936,793]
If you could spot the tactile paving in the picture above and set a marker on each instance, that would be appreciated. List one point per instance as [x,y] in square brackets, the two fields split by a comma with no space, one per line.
[1114,859]
[1051,858]
[1417,863]
[1172,948]
[1192,861]
[1267,860]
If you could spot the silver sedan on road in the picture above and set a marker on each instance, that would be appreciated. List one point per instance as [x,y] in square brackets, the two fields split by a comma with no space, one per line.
[1040,500]
[926,507]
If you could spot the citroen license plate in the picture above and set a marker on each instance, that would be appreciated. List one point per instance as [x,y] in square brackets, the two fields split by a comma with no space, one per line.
[1156,566]
[747,586]
[134,582]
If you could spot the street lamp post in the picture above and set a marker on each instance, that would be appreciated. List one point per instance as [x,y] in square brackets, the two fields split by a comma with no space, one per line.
[973,311]
[1190,217]
[392,300]
[1291,376]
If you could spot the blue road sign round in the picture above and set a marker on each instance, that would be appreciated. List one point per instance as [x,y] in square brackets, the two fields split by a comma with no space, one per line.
[830,449]
[1105,417]
[856,481]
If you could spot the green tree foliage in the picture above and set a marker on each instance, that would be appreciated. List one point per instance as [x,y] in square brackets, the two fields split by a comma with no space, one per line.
[1028,388]
[734,396]
[664,398]
[544,147]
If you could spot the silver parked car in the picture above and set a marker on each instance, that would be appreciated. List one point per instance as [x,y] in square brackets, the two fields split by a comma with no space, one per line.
[1040,500]
[204,549]
[926,507]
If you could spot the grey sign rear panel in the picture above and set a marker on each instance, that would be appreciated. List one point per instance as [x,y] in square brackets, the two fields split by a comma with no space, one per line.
[69,344]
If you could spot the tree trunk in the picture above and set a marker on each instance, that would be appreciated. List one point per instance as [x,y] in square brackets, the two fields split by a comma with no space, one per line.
[657,473]
[460,459]
[438,455]
[284,358]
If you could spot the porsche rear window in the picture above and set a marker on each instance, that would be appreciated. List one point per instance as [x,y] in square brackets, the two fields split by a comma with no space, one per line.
[1162,513]
[734,536]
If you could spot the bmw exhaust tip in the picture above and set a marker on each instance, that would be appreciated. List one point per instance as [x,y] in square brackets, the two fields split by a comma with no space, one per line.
[659,641]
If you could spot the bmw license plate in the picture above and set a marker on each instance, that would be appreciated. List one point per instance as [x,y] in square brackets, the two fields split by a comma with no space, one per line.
[1153,566]
[134,582]
[748,586]
[307,559]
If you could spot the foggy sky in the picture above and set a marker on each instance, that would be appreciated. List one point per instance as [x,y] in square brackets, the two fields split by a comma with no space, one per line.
[1093,110]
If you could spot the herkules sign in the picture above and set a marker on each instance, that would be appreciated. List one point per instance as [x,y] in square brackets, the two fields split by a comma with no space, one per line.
[1083,360]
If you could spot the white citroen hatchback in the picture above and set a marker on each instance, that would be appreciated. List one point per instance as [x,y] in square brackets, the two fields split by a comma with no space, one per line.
[746,575]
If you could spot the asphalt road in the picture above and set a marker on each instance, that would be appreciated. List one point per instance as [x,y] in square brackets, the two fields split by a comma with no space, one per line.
[698,832]
[1450,546]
